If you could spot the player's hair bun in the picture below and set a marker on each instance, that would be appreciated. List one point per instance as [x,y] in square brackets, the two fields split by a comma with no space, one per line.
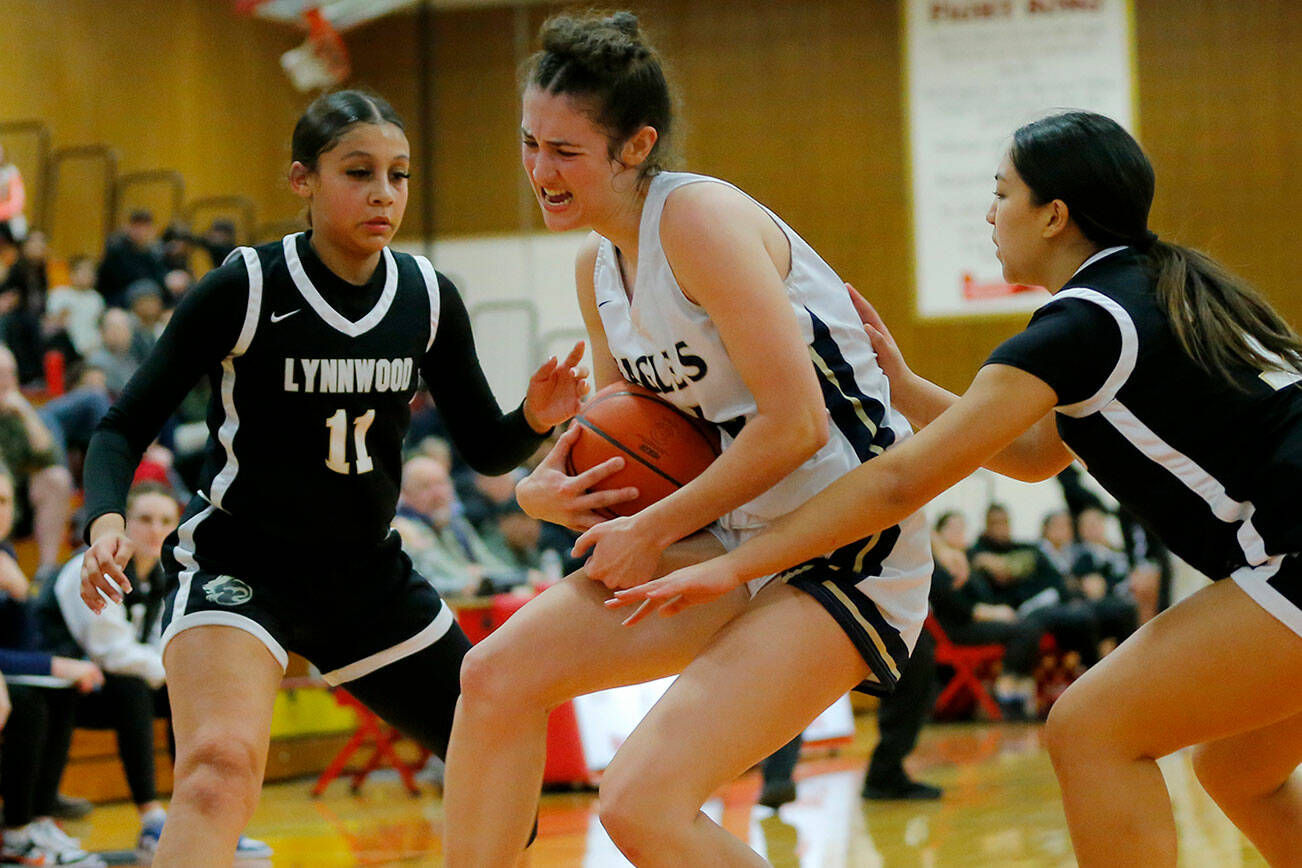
[603,45]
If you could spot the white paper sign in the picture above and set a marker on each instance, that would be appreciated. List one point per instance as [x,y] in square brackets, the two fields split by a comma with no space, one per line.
[977,70]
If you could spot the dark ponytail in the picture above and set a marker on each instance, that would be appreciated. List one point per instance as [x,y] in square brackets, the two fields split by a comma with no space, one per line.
[606,61]
[1103,176]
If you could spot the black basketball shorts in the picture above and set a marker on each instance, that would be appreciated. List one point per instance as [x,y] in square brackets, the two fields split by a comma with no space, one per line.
[349,613]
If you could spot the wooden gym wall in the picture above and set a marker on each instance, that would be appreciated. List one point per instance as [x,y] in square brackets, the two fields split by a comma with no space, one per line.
[800,104]
[797,102]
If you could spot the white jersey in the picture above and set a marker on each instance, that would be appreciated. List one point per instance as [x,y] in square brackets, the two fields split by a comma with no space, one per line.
[669,344]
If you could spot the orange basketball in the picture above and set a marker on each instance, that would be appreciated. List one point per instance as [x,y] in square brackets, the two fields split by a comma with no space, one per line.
[663,448]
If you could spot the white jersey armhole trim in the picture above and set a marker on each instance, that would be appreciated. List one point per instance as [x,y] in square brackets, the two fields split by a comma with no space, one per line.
[226,433]
[323,309]
[1125,362]
[431,287]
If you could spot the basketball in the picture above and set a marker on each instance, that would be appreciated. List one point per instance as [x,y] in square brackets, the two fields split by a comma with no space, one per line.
[663,448]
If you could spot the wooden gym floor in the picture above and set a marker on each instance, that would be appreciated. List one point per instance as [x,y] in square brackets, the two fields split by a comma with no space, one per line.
[1000,808]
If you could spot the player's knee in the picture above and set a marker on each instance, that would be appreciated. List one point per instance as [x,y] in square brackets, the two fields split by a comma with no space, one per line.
[628,817]
[1068,731]
[489,679]
[219,776]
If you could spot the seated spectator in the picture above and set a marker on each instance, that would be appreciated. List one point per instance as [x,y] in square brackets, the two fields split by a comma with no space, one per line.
[130,255]
[145,301]
[39,727]
[219,240]
[13,201]
[176,246]
[1100,574]
[114,356]
[1019,575]
[176,284]
[44,486]
[22,301]
[124,640]
[962,606]
[1058,541]
[444,547]
[72,417]
[73,311]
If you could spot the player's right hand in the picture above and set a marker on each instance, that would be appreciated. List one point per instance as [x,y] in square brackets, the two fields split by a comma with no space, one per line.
[550,494]
[102,568]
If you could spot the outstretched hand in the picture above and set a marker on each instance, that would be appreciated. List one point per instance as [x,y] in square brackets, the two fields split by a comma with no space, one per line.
[550,494]
[889,358]
[556,391]
[669,595]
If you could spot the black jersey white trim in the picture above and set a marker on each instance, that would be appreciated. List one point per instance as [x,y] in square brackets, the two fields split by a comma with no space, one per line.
[436,630]
[1194,477]
[334,318]
[226,433]
[432,287]
[1125,362]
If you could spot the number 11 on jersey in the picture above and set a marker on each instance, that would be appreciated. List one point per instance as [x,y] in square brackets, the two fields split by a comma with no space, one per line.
[338,425]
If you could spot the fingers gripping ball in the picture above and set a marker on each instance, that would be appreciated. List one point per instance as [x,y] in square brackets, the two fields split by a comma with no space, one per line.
[662,447]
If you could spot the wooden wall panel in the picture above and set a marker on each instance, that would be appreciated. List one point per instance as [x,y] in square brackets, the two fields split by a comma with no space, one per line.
[798,102]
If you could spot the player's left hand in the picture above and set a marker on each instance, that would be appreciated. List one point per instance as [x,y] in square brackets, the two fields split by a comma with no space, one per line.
[624,552]
[669,595]
[556,391]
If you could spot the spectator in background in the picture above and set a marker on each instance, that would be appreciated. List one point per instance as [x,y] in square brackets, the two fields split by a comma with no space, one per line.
[176,284]
[130,255]
[219,240]
[1058,541]
[73,311]
[71,418]
[114,355]
[175,246]
[145,301]
[13,200]
[1101,575]
[28,448]
[39,727]
[964,605]
[22,301]
[445,547]
[124,641]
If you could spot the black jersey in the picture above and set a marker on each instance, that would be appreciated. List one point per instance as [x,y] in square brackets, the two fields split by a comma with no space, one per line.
[1214,470]
[311,383]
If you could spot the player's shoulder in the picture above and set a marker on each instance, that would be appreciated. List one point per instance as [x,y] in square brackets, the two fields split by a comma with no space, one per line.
[706,207]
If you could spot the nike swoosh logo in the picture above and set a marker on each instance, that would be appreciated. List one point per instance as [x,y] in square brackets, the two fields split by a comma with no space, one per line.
[600,303]
[277,317]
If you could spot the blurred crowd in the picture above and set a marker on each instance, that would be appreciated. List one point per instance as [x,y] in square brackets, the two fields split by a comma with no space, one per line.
[72,333]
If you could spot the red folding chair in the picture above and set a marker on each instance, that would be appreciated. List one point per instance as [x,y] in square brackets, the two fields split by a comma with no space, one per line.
[972,665]
[375,733]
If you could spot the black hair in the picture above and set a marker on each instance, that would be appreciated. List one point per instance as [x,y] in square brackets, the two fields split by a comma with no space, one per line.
[329,116]
[1107,182]
[605,61]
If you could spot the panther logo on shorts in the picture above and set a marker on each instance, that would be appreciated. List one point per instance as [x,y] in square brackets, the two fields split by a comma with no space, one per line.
[227,591]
